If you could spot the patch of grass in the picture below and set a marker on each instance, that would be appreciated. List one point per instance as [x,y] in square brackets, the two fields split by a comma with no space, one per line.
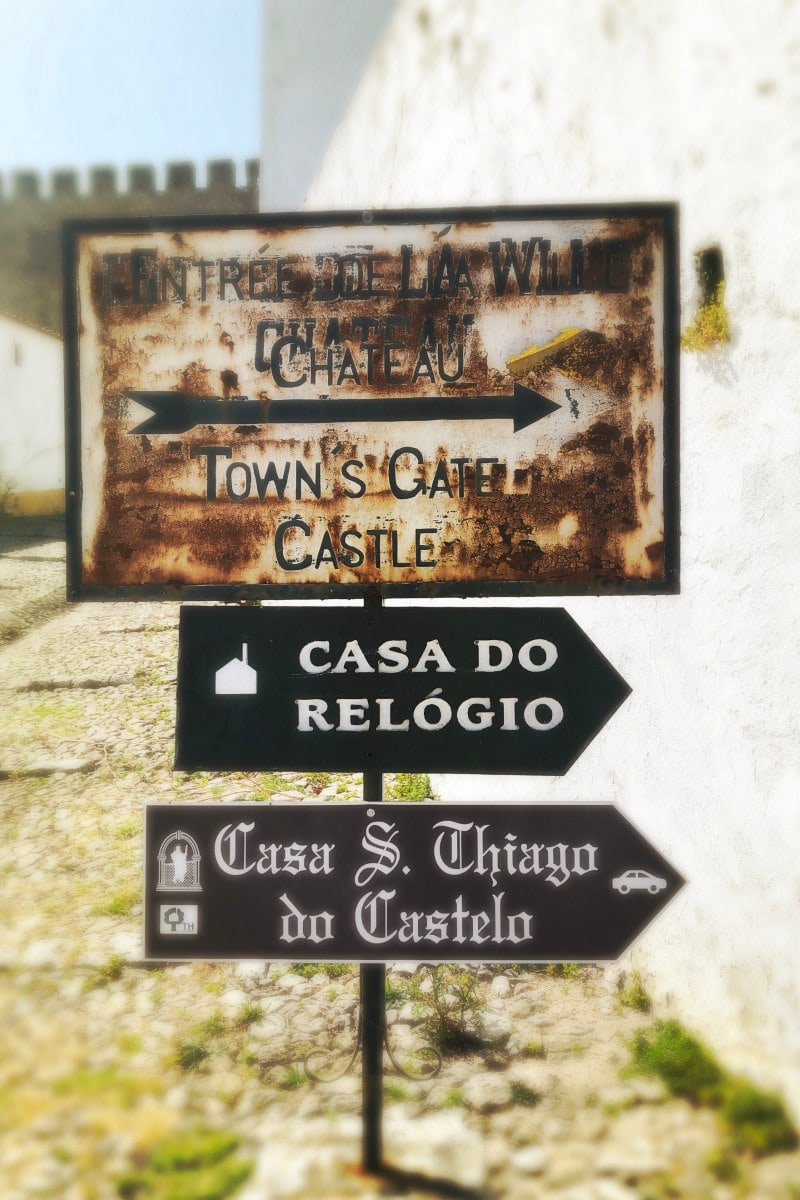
[454,1098]
[330,970]
[564,970]
[108,972]
[267,786]
[199,1165]
[523,1095]
[189,1055]
[127,830]
[249,1014]
[450,1010]
[214,1026]
[756,1121]
[119,903]
[396,993]
[317,780]
[58,714]
[709,326]
[633,994]
[723,1166]
[534,1049]
[412,789]
[395,1093]
[193,1150]
[295,1077]
[670,1053]
[130,1043]
[107,1082]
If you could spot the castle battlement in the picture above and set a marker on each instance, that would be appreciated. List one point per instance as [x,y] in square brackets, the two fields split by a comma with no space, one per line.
[21,187]
[33,207]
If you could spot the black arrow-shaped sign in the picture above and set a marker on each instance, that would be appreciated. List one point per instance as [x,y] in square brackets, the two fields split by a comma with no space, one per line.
[426,882]
[177,412]
[500,690]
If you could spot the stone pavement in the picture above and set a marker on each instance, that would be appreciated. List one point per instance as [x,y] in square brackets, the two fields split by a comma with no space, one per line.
[102,1056]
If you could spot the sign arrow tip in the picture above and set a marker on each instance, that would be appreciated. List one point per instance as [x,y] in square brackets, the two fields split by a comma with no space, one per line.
[530,406]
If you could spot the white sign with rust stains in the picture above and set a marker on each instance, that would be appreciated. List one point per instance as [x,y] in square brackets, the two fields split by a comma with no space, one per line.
[472,402]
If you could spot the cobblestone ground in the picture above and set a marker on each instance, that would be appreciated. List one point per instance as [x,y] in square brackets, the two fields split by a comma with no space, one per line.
[103,1056]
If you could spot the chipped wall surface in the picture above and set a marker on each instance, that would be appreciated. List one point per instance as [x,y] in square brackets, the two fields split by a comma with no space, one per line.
[521,101]
[211,362]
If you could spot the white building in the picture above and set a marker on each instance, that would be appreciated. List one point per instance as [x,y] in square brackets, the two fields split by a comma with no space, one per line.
[31,419]
[528,102]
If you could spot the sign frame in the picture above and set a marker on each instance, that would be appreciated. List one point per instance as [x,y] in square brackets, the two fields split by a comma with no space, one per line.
[78,589]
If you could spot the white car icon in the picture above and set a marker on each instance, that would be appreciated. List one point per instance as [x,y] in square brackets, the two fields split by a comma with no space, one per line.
[638,881]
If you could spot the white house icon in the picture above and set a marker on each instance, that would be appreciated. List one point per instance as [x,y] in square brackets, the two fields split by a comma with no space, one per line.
[236,678]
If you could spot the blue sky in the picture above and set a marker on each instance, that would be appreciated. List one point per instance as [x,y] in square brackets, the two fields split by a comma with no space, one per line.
[89,82]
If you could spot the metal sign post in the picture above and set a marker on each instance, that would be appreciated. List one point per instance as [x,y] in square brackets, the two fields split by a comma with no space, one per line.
[373,1031]
[373,999]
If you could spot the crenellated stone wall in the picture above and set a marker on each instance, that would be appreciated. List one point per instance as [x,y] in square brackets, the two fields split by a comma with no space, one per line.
[32,209]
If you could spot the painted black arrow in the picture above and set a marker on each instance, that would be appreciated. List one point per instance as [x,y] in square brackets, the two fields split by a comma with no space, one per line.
[177,412]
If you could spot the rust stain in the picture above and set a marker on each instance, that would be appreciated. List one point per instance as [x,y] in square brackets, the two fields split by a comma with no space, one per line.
[574,498]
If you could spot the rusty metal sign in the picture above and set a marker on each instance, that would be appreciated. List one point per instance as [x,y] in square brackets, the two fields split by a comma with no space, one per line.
[466,402]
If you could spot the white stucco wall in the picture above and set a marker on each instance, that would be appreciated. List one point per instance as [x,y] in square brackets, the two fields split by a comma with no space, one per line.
[315,53]
[525,102]
[31,408]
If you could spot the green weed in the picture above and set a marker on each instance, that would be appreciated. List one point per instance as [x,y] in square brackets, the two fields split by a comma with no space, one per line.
[130,1043]
[670,1053]
[633,995]
[564,970]
[523,1095]
[723,1166]
[267,786]
[756,1121]
[189,1055]
[295,1077]
[107,1082]
[317,780]
[396,993]
[119,903]
[451,1009]
[108,972]
[249,1014]
[412,789]
[709,326]
[127,830]
[454,1098]
[200,1165]
[330,970]
[193,1150]
[214,1026]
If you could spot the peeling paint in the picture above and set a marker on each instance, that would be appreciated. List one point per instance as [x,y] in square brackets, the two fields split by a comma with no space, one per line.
[570,308]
